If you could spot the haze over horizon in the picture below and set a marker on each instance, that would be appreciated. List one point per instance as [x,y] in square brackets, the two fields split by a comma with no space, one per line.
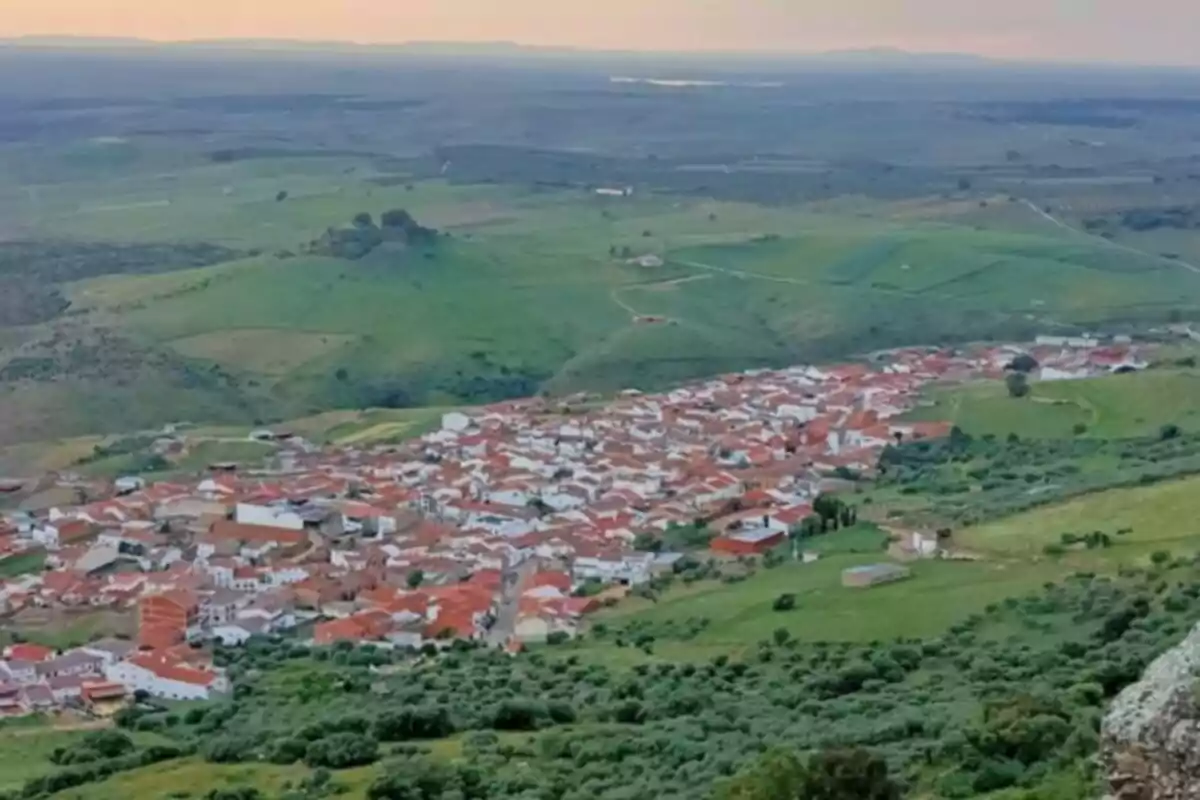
[1152,32]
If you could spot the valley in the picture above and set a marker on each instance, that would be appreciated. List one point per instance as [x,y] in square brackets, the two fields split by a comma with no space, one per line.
[390,426]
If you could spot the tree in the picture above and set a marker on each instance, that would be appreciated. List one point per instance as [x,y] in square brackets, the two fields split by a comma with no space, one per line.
[848,774]
[363,220]
[778,775]
[228,750]
[415,578]
[833,774]
[784,602]
[647,543]
[1023,363]
[810,526]
[1017,383]
[1168,431]
[833,512]
[281,196]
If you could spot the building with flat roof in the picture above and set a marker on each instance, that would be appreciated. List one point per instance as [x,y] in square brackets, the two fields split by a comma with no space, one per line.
[749,542]
[873,575]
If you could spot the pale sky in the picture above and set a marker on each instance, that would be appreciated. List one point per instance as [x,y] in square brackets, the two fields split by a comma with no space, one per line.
[1149,31]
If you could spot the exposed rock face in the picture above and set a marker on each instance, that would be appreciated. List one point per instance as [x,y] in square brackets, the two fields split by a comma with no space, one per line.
[1151,737]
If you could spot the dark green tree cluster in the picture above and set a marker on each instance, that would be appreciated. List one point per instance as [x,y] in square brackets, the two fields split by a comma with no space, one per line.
[363,236]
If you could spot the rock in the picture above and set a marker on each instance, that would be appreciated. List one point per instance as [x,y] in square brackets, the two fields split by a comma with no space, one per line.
[1150,740]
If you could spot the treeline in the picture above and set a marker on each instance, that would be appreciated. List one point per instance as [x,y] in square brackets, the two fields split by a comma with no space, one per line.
[54,261]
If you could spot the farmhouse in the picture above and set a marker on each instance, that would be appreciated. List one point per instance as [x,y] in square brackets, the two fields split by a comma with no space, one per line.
[873,575]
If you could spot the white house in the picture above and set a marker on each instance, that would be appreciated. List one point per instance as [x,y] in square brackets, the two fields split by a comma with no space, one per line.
[271,516]
[129,484]
[631,569]
[1053,374]
[1082,342]
[455,421]
[161,677]
[284,574]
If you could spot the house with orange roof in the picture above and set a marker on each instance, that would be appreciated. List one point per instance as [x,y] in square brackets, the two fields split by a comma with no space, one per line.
[63,532]
[33,653]
[167,676]
[365,626]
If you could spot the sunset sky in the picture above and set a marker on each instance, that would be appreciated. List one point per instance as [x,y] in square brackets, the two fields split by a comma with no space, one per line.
[1150,31]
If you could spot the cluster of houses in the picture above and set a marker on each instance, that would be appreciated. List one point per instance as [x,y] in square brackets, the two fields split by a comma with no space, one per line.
[507,525]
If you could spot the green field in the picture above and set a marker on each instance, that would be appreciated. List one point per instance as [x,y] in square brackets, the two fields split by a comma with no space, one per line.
[1159,517]
[206,453]
[21,564]
[1112,407]
[26,745]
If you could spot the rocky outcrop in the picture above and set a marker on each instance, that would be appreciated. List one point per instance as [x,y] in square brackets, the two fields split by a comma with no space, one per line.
[1150,747]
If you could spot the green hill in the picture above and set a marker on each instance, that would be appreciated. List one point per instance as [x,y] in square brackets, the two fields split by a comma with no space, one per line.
[1112,407]
[525,291]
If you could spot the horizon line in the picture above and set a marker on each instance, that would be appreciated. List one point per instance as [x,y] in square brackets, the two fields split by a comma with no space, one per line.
[882,52]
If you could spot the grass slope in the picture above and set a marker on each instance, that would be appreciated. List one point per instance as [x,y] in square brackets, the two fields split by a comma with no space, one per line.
[26,745]
[1113,407]
[1160,516]
[939,594]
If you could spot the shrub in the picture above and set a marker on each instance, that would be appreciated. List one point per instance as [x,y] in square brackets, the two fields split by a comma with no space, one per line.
[341,751]
[784,602]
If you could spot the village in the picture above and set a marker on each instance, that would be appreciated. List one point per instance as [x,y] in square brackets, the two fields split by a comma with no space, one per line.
[506,526]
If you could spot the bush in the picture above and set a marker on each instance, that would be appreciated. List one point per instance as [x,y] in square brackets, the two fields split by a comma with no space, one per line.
[418,722]
[785,602]
[228,750]
[342,751]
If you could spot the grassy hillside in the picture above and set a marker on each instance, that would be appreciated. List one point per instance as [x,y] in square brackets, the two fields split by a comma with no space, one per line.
[1140,521]
[1115,407]
[531,290]
[26,745]
[937,596]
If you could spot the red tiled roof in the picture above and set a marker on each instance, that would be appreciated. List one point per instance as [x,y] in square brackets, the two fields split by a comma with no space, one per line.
[558,580]
[236,531]
[171,670]
[29,652]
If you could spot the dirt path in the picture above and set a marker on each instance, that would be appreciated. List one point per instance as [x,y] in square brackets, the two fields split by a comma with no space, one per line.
[61,727]
[615,295]
[737,273]
[1041,212]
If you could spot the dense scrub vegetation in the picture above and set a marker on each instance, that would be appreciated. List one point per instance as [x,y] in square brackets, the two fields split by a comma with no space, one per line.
[1010,698]
[61,261]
